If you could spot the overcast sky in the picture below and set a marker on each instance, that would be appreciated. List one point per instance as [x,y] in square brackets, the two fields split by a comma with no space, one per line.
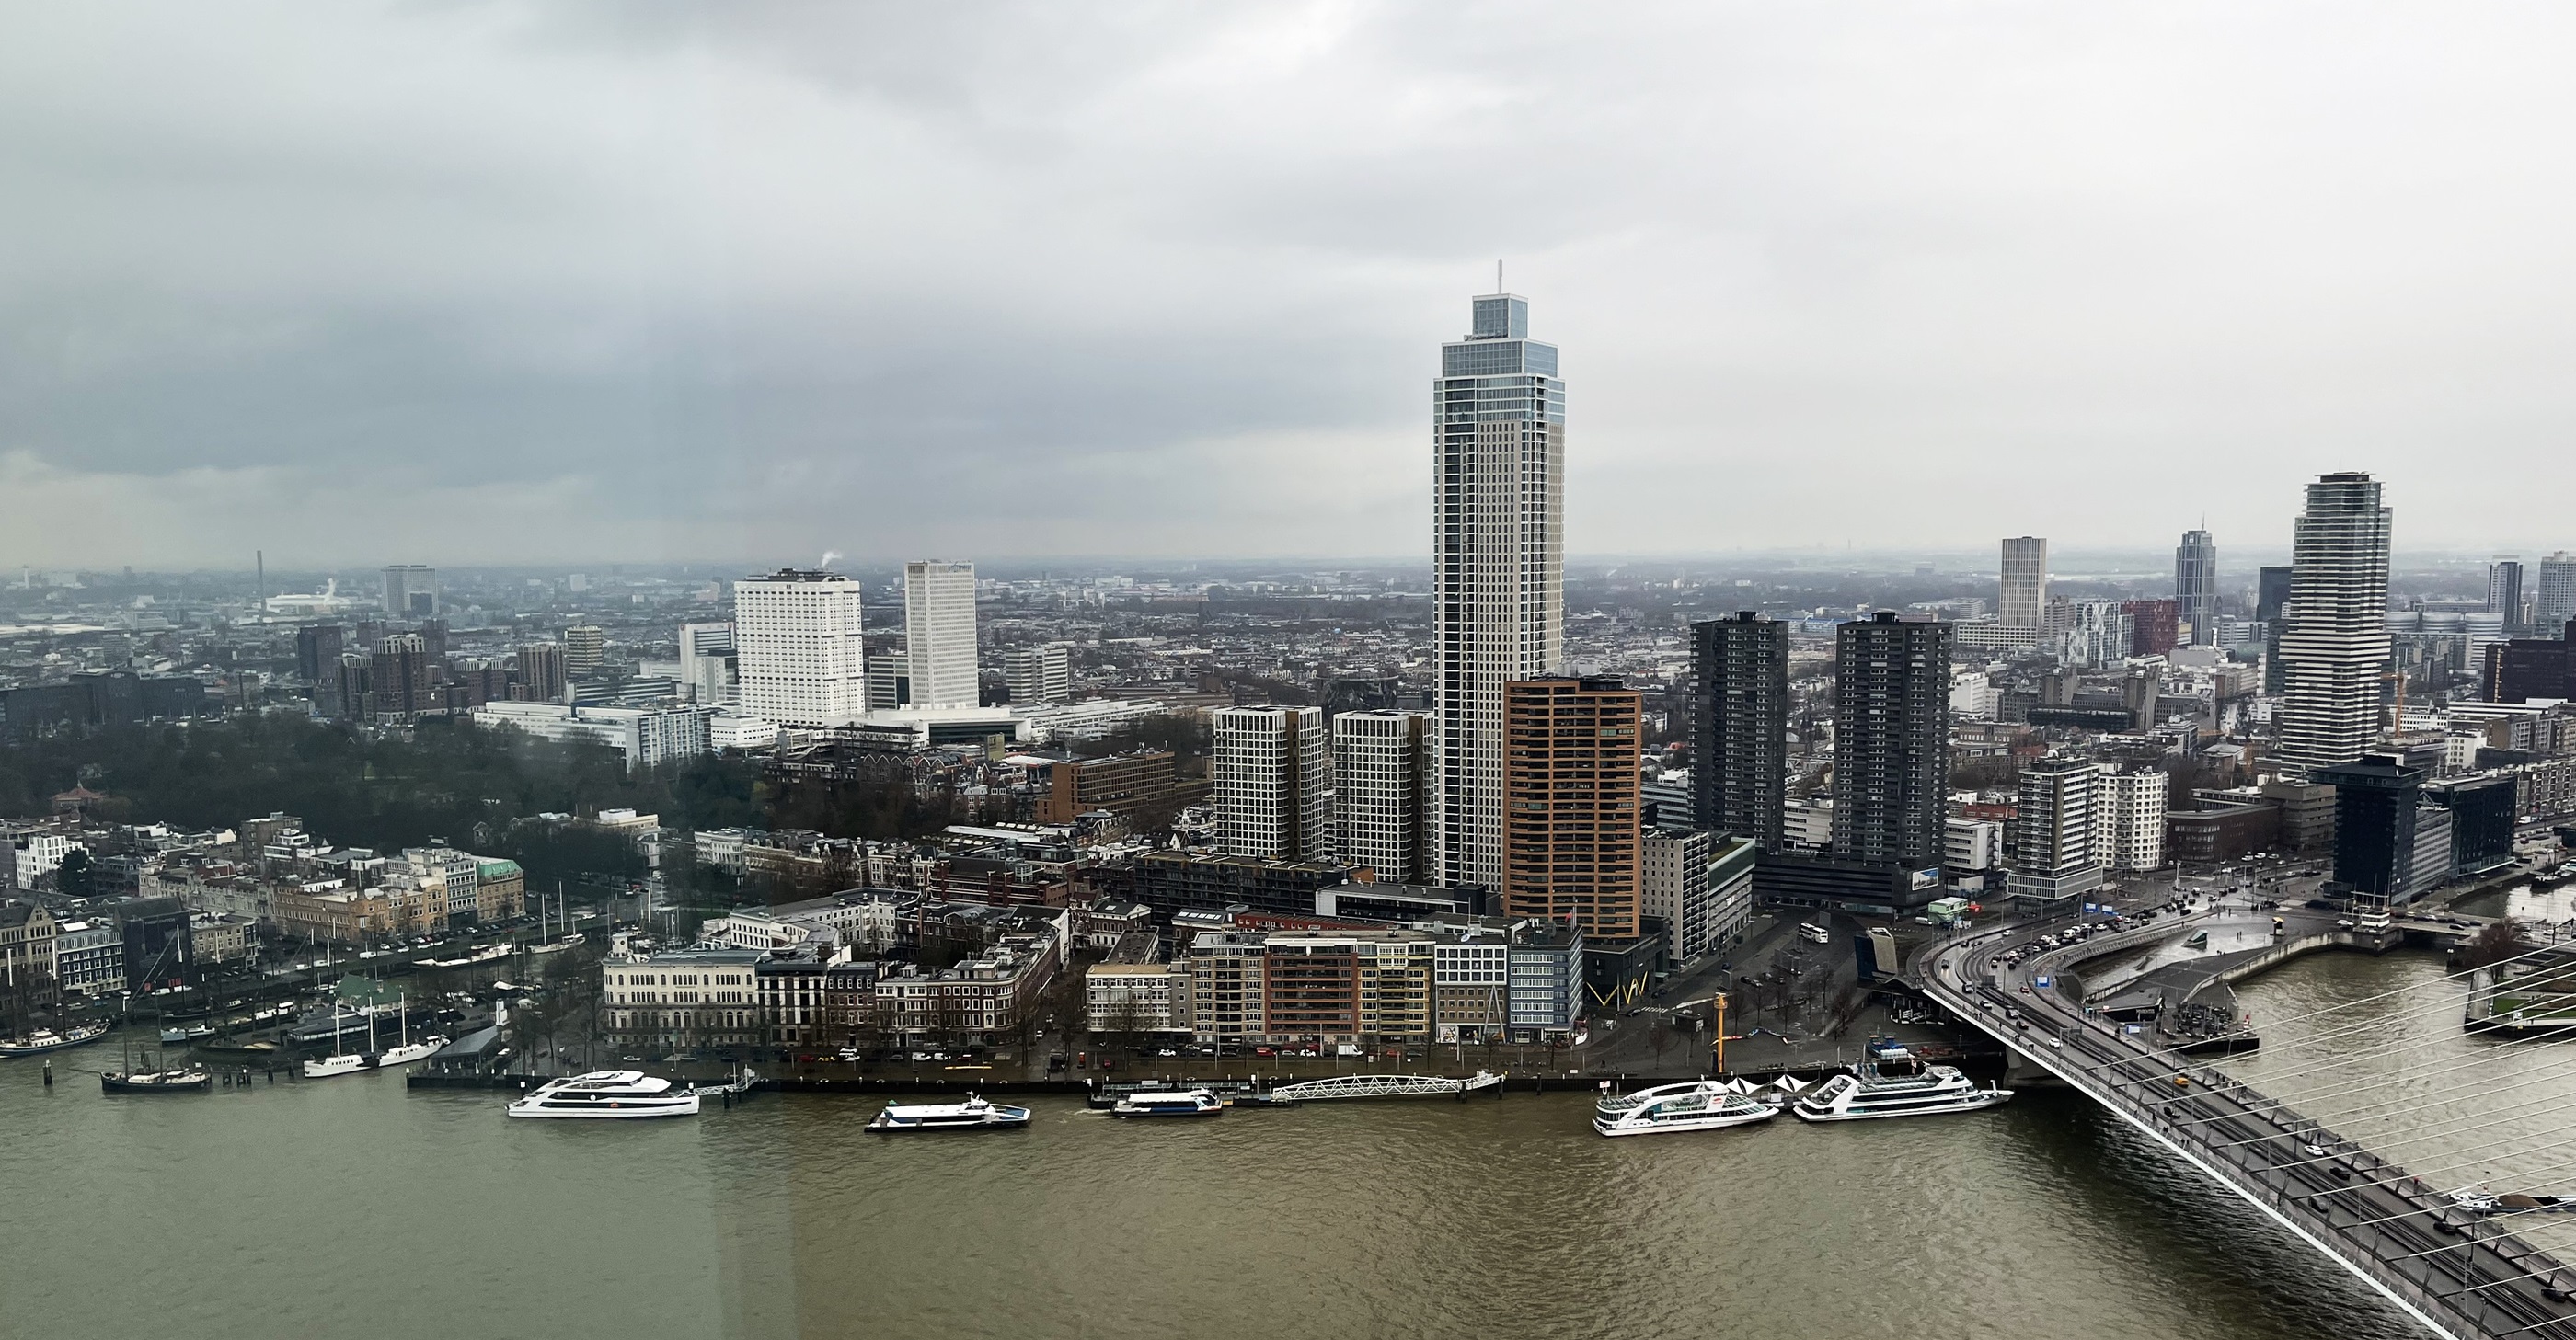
[463,283]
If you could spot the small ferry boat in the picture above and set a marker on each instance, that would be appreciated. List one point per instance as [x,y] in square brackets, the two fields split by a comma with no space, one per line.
[1695,1105]
[609,1094]
[1175,1103]
[1869,1092]
[190,1034]
[191,1079]
[972,1115]
[47,1040]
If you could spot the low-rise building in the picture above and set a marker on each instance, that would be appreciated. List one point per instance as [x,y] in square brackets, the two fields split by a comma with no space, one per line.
[89,958]
[223,939]
[28,970]
[682,999]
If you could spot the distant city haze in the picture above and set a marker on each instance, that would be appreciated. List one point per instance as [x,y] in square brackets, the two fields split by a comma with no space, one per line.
[445,284]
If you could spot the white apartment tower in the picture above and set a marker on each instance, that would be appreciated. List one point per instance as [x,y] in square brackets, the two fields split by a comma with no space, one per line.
[796,643]
[2129,820]
[2023,590]
[1498,565]
[1381,793]
[1038,675]
[1272,769]
[939,632]
[2336,644]
[2053,840]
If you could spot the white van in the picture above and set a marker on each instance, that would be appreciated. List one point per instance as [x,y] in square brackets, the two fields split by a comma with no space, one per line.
[1814,934]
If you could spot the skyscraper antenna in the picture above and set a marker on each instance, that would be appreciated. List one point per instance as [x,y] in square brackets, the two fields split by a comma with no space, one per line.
[1498,276]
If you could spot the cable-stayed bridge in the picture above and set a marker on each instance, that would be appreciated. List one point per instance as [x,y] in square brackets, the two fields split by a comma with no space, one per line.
[2458,1267]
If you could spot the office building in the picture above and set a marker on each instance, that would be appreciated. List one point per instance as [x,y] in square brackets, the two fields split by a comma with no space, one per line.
[1272,770]
[1381,793]
[411,591]
[796,643]
[1740,726]
[2553,600]
[644,736]
[2504,592]
[1891,742]
[585,650]
[1571,830]
[2023,592]
[1038,675]
[1498,564]
[889,681]
[2377,798]
[2524,668]
[2336,644]
[708,668]
[541,673]
[317,651]
[939,633]
[2155,626]
[2054,856]
[2196,587]
[1126,785]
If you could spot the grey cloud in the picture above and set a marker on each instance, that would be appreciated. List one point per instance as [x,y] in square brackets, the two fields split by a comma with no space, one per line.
[724,280]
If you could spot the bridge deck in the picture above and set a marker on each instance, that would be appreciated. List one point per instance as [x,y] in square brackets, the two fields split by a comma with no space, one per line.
[2460,1276]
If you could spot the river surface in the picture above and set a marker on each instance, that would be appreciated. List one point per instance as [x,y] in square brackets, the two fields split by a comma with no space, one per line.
[353,1207]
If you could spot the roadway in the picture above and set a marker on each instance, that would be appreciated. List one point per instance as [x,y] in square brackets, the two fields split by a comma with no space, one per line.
[2458,1274]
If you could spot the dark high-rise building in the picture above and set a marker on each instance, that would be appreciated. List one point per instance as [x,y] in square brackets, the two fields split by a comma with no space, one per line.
[541,673]
[2482,814]
[2271,592]
[1891,741]
[2375,803]
[353,695]
[401,676]
[2196,586]
[1571,841]
[433,635]
[317,652]
[2525,668]
[1740,726]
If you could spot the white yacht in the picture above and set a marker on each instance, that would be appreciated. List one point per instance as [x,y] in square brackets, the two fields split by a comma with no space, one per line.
[1866,1093]
[607,1093]
[1696,1105]
[1169,1103]
[403,1053]
[972,1115]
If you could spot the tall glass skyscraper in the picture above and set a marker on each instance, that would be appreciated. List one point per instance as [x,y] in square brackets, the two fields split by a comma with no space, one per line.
[1498,563]
[2196,586]
[2336,645]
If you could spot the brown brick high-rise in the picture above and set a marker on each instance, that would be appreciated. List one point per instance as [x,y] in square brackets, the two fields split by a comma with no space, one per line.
[1570,840]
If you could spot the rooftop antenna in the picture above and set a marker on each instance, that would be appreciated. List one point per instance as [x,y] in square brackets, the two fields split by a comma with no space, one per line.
[1498,276]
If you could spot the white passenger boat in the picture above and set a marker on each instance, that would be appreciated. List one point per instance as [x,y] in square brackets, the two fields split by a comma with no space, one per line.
[1697,1105]
[607,1094]
[1169,1103]
[1384,1086]
[1867,1093]
[972,1115]
[47,1040]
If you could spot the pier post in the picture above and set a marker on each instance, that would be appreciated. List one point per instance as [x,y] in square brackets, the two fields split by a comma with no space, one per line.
[49,1072]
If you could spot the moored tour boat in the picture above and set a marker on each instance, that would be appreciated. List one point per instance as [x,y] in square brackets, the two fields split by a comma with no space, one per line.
[972,1115]
[47,1040]
[1178,1103]
[1868,1093]
[1695,1105]
[607,1094]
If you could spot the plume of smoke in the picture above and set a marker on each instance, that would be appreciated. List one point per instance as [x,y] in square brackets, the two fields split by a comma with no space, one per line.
[828,556]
